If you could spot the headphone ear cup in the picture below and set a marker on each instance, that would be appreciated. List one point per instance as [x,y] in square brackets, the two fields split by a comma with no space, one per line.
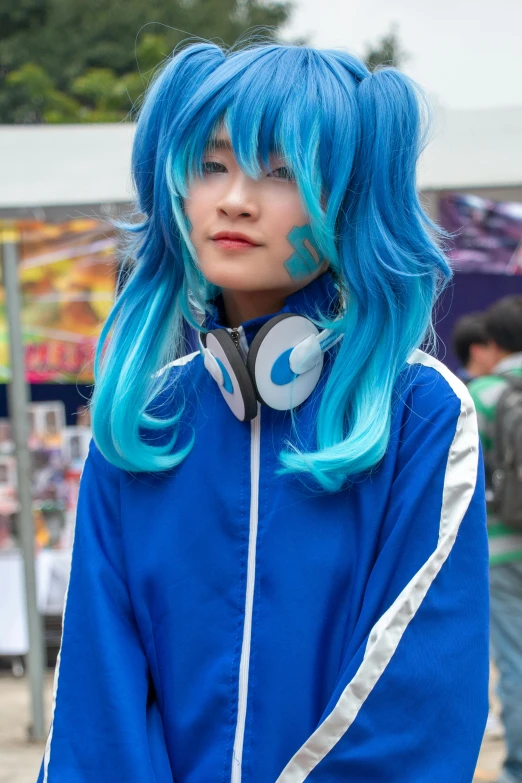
[256,344]
[237,388]
[268,362]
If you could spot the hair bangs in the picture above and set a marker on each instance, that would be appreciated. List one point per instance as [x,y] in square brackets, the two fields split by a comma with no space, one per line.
[293,102]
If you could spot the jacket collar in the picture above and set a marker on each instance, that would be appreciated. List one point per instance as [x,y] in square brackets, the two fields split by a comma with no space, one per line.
[511,362]
[320,295]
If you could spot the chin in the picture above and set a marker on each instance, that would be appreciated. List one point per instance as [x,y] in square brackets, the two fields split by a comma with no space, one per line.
[238,283]
[239,278]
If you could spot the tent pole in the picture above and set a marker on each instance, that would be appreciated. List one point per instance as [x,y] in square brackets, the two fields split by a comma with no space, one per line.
[18,401]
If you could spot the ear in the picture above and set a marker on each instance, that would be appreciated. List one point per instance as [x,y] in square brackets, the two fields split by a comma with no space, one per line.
[476,350]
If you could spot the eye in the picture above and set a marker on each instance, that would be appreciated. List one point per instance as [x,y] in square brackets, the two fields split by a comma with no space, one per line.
[283,172]
[213,167]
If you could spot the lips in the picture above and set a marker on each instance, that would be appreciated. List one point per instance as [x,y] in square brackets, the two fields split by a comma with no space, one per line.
[234,240]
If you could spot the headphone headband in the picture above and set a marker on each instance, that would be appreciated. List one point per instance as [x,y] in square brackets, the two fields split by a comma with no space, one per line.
[283,364]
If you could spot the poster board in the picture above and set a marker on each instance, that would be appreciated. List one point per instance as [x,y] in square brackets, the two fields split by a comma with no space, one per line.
[67,278]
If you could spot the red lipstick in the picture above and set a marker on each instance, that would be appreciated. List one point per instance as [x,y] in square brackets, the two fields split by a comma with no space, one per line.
[234,240]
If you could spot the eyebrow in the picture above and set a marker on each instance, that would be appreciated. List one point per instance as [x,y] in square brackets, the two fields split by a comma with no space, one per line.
[219,144]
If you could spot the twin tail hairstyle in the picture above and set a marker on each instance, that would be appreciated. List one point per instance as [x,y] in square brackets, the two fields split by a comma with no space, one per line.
[351,139]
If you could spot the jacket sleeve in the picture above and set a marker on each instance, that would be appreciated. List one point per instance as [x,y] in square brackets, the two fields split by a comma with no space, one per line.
[411,699]
[106,725]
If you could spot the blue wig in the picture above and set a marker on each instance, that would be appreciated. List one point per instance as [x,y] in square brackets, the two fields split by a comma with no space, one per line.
[352,140]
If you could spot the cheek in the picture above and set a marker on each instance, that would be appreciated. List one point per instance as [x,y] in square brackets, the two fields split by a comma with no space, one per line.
[285,215]
[197,205]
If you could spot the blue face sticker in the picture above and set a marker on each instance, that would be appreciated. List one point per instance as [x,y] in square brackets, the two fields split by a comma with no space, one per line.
[306,259]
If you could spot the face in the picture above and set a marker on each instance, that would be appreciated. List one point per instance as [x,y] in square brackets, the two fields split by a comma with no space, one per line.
[484,357]
[250,234]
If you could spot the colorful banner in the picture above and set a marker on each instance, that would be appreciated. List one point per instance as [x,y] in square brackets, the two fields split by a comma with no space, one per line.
[67,279]
[487,235]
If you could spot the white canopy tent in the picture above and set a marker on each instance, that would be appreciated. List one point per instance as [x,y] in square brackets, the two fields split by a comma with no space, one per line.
[67,165]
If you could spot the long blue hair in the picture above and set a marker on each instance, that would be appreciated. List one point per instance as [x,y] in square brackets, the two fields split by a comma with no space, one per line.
[352,139]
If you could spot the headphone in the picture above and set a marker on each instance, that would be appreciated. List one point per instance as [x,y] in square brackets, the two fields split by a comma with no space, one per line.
[282,368]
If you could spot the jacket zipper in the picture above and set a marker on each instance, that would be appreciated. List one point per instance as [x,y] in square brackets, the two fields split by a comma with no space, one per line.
[244,665]
[235,335]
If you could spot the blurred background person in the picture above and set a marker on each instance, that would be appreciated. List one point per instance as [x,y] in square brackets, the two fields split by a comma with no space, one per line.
[472,347]
[496,414]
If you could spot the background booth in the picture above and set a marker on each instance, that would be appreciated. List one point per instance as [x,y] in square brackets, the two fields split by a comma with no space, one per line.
[486,253]
[67,274]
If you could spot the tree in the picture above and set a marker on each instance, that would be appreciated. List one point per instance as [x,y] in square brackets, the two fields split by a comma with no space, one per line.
[386,51]
[29,95]
[90,60]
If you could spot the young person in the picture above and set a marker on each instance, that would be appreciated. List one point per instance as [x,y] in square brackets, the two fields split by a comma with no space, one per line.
[472,347]
[503,322]
[280,563]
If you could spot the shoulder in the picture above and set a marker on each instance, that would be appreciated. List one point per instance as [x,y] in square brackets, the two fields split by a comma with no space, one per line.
[98,467]
[170,398]
[179,366]
[177,384]
[178,376]
[432,406]
[431,387]
[434,414]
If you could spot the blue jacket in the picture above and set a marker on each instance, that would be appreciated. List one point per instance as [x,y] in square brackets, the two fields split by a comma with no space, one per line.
[226,624]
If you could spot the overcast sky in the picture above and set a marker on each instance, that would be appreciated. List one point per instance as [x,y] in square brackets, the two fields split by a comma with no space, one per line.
[466,54]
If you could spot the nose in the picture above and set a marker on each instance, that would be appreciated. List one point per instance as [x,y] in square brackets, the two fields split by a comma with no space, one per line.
[239,199]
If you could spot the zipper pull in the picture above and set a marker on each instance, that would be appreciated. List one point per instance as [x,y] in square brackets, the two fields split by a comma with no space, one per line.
[234,333]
